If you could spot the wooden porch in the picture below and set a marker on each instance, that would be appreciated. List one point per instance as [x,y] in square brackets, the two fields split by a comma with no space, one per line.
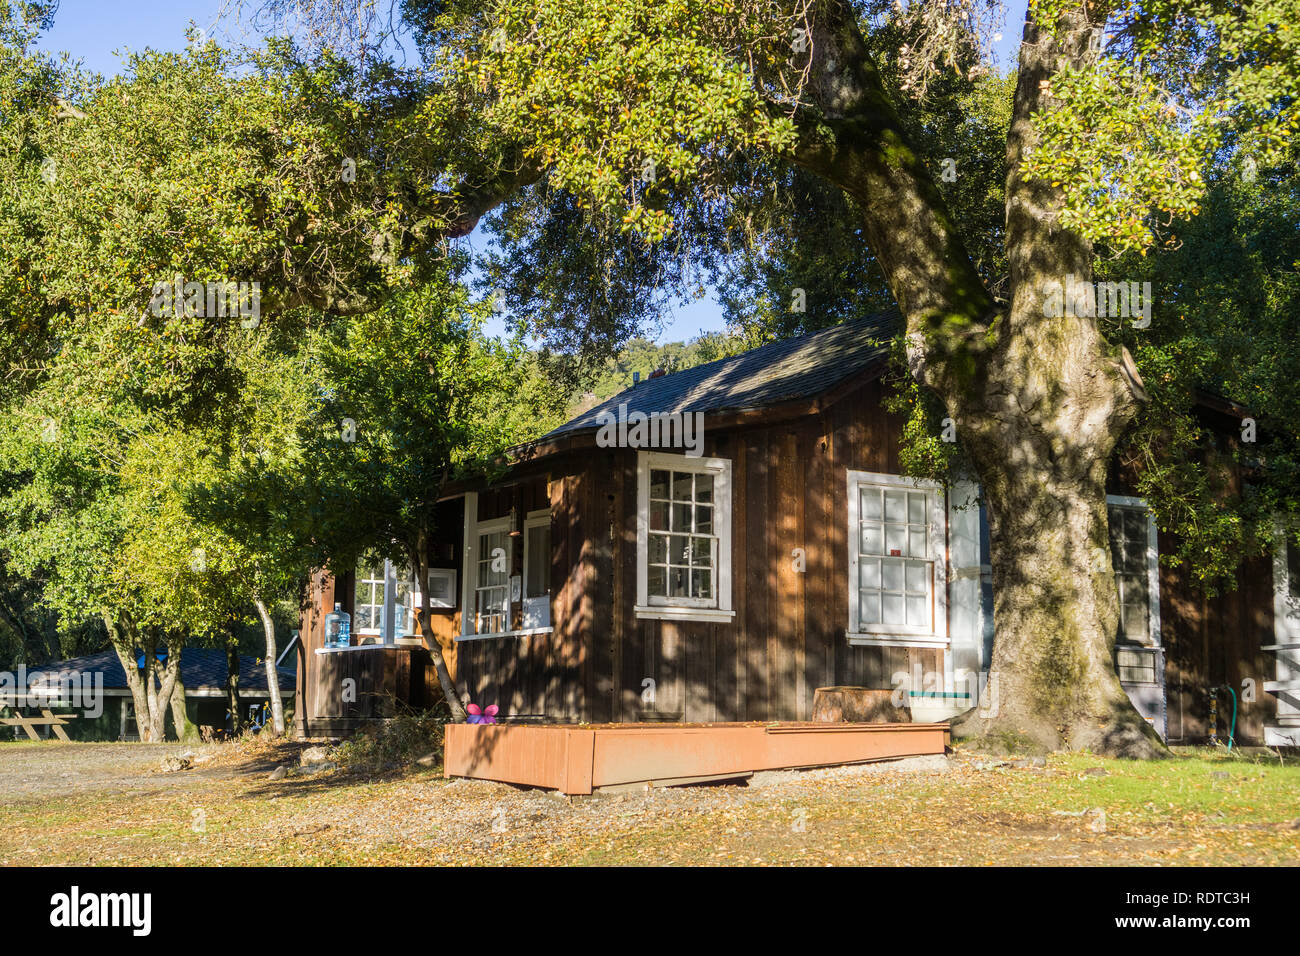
[583,759]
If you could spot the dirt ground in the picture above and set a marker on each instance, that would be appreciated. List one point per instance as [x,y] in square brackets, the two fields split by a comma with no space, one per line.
[113,804]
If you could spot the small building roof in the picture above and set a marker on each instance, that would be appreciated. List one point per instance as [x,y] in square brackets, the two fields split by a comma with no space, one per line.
[203,669]
[787,370]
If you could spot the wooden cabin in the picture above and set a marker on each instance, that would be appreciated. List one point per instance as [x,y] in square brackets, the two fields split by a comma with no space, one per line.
[718,543]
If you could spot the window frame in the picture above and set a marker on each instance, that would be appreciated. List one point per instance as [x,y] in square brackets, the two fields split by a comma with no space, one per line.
[900,635]
[385,580]
[1152,561]
[717,609]
[396,613]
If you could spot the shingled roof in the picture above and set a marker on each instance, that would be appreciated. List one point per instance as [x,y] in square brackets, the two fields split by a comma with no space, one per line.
[202,669]
[802,367]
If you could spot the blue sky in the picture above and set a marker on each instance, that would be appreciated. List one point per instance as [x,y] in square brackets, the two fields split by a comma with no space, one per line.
[92,30]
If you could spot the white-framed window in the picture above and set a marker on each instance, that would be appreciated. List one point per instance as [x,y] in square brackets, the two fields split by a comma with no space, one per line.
[898,583]
[537,569]
[1135,560]
[370,598]
[683,537]
[383,601]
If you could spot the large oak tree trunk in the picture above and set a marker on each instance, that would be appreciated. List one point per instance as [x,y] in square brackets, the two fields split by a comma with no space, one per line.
[1052,401]
[1039,401]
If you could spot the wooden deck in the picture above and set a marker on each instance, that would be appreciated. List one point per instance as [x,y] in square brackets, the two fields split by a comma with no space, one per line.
[582,759]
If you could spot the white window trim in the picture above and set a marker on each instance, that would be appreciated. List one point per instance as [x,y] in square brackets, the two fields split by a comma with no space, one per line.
[666,609]
[1153,562]
[901,635]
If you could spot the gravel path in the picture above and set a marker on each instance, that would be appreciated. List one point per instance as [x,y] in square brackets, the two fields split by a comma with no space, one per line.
[32,770]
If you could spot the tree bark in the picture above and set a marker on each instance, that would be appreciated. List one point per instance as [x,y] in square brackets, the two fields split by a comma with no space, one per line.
[1042,433]
[185,730]
[272,676]
[160,682]
[1039,402]
[456,700]
[232,689]
[124,639]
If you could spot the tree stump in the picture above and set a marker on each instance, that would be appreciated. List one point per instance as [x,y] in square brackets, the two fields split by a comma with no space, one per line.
[834,705]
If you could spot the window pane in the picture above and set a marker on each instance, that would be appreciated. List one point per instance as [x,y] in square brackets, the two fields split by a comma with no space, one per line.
[869,607]
[683,483]
[659,515]
[895,506]
[658,484]
[704,489]
[871,540]
[918,576]
[658,549]
[659,581]
[891,607]
[891,573]
[916,509]
[871,503]
[916,543]
[702,584]
[869,573]
[682,517]
[679,549]
[703,520]
[703,553]
[1135,625]
[403,586]
[493,559]
[677,582]
[537,574]
[918,611]
[895,540]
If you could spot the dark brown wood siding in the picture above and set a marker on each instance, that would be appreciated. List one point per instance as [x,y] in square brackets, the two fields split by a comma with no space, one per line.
[788,635]
[1211,641]
[789,491]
